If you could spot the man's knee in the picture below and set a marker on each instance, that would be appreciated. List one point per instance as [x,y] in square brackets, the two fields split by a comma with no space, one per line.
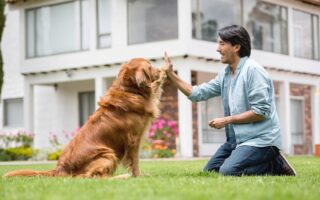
[229,171]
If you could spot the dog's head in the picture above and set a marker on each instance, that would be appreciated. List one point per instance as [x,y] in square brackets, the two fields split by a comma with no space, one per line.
[137,75]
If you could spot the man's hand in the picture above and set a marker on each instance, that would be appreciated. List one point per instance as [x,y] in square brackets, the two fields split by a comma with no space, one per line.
[219,123]
[167,66]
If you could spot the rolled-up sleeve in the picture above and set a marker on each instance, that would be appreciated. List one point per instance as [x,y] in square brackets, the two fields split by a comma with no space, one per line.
[206,90]
[260,92]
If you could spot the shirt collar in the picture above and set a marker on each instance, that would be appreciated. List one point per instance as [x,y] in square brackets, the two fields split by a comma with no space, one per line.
[239,66]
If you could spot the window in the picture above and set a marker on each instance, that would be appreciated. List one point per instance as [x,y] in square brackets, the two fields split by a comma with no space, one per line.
[152,20]
[104,23]
[13,112]
[297,121]
[211,109]
[267,25]
[86,106]
[57,28]
[306,35]
[208,16]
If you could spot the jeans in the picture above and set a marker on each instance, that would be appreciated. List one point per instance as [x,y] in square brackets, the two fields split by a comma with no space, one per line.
[243,160]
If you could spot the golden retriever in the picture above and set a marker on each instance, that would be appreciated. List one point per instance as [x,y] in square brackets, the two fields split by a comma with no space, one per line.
[113,132]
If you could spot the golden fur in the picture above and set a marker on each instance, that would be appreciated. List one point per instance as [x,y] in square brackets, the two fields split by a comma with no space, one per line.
[112,134]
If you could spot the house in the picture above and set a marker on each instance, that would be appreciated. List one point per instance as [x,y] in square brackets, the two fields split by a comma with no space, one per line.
[60,56]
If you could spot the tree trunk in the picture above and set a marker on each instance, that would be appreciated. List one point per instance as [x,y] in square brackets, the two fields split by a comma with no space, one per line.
[2,22]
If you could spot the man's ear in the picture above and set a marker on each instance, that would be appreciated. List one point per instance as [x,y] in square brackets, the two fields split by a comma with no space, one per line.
[237,47]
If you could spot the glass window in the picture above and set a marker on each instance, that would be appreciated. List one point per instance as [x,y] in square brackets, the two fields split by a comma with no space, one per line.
[85,27]
[86,106]
[315,28]
[13,112]
[152,20]
[306,35]
[211,109]
[297,121]
[267,24]
[208,16]
[104,23]
[56,29]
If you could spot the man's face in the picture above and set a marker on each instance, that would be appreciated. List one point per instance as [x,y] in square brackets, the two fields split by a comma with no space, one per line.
[227,51]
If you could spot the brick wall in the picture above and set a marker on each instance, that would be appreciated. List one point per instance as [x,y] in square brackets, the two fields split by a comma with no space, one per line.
[195,119]
[169,110]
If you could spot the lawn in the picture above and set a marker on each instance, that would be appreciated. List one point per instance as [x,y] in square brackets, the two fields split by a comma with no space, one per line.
[168,180]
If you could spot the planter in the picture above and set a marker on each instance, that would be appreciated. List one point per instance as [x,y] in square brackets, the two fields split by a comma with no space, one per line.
[317,150]
[159,144]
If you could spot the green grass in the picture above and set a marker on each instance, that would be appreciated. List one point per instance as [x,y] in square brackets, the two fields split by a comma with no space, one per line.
[168,180]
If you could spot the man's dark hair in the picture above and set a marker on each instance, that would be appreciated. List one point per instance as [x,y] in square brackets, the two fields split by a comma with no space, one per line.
[234,35]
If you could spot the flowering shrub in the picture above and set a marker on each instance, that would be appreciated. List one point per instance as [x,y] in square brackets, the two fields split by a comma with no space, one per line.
[59,143]
[14,139]
[16,145]
[163,135]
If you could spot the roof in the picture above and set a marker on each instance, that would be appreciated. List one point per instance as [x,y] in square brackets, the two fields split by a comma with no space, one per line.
[314,2]
[13,1]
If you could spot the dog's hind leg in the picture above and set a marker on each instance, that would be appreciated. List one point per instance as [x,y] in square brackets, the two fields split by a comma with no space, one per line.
[104,165]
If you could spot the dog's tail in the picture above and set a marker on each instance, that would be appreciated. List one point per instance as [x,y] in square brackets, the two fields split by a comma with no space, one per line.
[30,173]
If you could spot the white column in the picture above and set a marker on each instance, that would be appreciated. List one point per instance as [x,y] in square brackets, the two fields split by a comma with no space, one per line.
[185,117]
[100,88]
[316,114]
[184,20]
[119,23]
[285,115]
[94,25]
[28,107]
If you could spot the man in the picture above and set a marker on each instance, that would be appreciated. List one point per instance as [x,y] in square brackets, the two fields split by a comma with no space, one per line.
[251,121]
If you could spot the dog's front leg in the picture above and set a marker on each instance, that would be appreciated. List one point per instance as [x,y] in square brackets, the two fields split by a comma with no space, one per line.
[135,169]
[158,83]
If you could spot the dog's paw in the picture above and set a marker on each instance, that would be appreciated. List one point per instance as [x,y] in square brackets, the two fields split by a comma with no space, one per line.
[122,176]
[163,75]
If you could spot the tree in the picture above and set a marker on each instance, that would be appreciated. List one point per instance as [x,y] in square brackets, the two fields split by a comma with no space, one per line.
[2,22]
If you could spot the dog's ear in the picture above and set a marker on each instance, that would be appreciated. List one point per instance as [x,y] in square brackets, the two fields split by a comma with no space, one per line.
[142,78]
[143,82]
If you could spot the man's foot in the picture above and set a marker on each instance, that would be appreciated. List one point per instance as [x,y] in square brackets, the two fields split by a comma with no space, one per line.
[285,168]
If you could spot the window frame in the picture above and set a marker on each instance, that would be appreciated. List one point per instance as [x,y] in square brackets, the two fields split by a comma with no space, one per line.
[146,42]
[299,98]
[5,111]
[289,16]
[312,16]
[81,122]
[98,35]
[34,9]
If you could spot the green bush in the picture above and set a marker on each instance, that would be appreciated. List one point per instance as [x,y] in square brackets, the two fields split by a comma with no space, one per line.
[4,155]
[163,153]
[20,153]
[54,155]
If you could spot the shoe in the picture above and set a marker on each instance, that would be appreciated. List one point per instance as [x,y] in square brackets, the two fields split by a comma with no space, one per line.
[286,168]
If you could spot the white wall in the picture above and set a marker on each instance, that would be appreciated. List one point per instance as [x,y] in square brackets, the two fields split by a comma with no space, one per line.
[57,109]
[13,81]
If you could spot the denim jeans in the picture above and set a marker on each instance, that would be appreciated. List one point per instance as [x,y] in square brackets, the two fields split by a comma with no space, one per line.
[243,160]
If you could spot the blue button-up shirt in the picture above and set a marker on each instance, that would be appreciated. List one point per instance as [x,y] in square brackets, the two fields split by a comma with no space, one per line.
[251,89]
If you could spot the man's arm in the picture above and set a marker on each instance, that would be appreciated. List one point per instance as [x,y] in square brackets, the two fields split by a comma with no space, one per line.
[242,118]
[183,86]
